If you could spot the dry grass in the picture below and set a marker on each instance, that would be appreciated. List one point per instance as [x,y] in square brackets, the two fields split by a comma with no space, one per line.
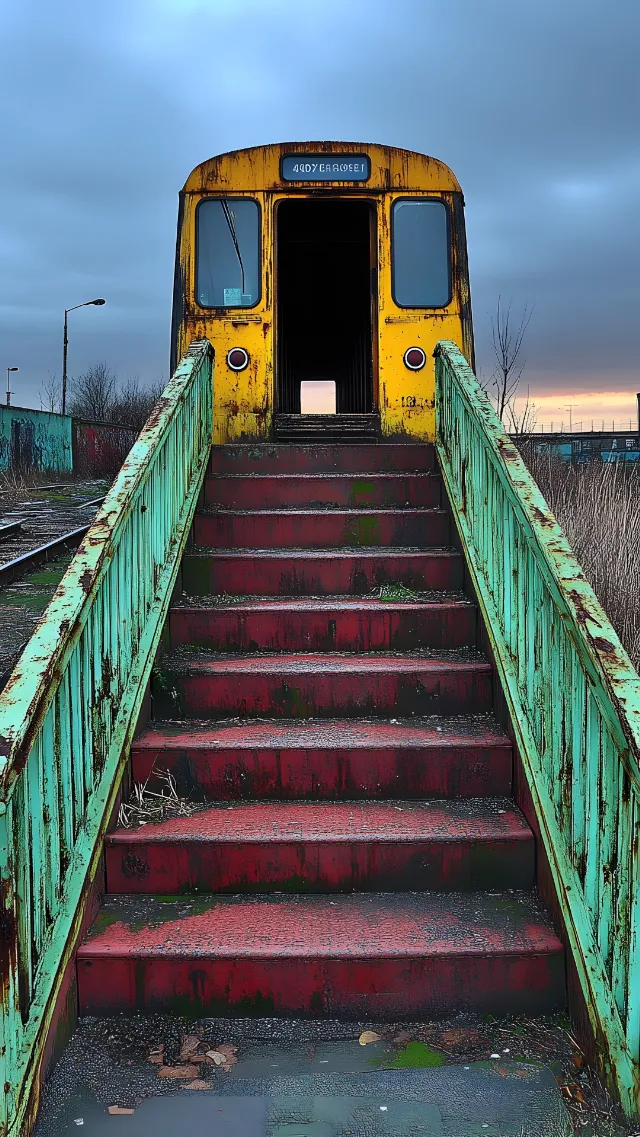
[147,807]
[598,506]
[16,484]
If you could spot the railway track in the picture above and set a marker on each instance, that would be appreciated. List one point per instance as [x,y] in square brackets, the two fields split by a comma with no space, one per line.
[40,530]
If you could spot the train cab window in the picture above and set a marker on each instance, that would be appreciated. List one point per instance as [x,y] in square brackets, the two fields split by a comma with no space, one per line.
[228,253]
[420,253]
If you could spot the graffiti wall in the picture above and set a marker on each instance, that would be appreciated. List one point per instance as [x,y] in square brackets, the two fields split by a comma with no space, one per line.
[100,448]
[35,441]
[42,442]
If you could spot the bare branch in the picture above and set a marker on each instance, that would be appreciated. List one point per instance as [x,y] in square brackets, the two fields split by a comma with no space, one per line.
[50,395]
[525,422]
[507,341]
[97,394]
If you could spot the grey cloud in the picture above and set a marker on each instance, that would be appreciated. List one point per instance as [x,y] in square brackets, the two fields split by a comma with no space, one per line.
[106,109]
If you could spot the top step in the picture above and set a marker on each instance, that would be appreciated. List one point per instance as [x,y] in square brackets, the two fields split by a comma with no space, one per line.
[301,428]
[364,458]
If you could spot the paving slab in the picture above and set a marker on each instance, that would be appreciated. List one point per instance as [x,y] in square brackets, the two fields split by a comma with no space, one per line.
[306,1082]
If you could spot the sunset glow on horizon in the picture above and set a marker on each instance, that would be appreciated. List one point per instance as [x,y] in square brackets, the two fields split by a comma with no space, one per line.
[590,410]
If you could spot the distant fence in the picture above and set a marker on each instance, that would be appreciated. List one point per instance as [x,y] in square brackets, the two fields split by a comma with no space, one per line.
[43,442]
[616,446]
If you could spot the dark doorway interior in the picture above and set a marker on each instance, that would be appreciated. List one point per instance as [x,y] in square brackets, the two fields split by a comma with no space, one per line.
[324,288]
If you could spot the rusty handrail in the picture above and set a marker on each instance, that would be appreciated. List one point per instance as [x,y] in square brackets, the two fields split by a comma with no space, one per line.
[69,710]
[574,702]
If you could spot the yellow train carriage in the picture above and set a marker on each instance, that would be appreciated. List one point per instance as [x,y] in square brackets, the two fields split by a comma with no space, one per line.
[323,271]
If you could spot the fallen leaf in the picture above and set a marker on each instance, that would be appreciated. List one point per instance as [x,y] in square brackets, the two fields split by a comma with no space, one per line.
[157,1055]
[197,1084]
[577,1060]
[189,1043]
[228,1049]
[368,1036]
[573,1092]
[119,1109]
[227,1066]
[216,1056]
[402,1037]
[178,1071]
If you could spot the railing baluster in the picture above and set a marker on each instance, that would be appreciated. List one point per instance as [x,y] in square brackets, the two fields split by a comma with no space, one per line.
[68,712]
[574,700]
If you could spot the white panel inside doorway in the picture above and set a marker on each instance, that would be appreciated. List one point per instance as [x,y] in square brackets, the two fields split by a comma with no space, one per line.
[318,397]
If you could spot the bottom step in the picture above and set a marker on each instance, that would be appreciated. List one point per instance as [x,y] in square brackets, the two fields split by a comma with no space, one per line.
[380,955]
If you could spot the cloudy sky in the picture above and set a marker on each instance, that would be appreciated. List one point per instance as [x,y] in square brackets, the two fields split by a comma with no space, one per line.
[106,108]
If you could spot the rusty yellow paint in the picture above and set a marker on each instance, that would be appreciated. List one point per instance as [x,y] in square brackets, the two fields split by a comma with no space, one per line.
[245,401]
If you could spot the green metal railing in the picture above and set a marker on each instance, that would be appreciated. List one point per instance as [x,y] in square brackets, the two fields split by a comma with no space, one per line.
[574,702]
[69,711]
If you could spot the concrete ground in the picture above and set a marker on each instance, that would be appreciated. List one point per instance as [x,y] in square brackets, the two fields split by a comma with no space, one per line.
[159,1077]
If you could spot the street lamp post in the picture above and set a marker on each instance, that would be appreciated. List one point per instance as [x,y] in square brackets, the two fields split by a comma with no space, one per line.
[65,344]
[9,370]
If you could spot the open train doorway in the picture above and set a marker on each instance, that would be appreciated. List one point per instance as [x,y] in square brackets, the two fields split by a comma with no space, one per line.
[325,282]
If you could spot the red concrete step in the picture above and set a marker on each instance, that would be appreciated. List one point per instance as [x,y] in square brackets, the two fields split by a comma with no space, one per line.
[274,572]
[321,529]
[311,684]
[359,458]
[259,491]
[327,847]
[368,955]
[331,759]
[318,624]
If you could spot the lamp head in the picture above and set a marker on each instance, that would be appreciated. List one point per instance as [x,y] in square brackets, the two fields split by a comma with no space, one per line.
[98,302]
[13,368]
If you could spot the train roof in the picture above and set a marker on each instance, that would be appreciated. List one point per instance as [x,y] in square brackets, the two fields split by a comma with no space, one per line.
[260,168]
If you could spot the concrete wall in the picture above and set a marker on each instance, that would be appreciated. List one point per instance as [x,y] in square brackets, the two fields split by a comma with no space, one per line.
[35,441]
[40,441]
[100,448]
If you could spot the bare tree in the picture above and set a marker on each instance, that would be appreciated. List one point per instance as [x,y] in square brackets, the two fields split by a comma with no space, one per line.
[92,393]
[507,347]
[50,395]
[525,421]
[133,403]
[97,394]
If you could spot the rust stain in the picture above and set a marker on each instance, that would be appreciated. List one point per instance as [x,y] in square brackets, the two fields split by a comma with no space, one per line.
[603,645]
[86,580]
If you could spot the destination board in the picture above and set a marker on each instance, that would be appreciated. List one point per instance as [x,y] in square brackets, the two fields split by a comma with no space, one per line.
[326,168]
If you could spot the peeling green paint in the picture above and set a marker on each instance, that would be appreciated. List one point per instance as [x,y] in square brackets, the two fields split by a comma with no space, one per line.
[69,710]
[574,703]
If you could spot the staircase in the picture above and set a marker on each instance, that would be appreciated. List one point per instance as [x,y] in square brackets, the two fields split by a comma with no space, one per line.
[358,853]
